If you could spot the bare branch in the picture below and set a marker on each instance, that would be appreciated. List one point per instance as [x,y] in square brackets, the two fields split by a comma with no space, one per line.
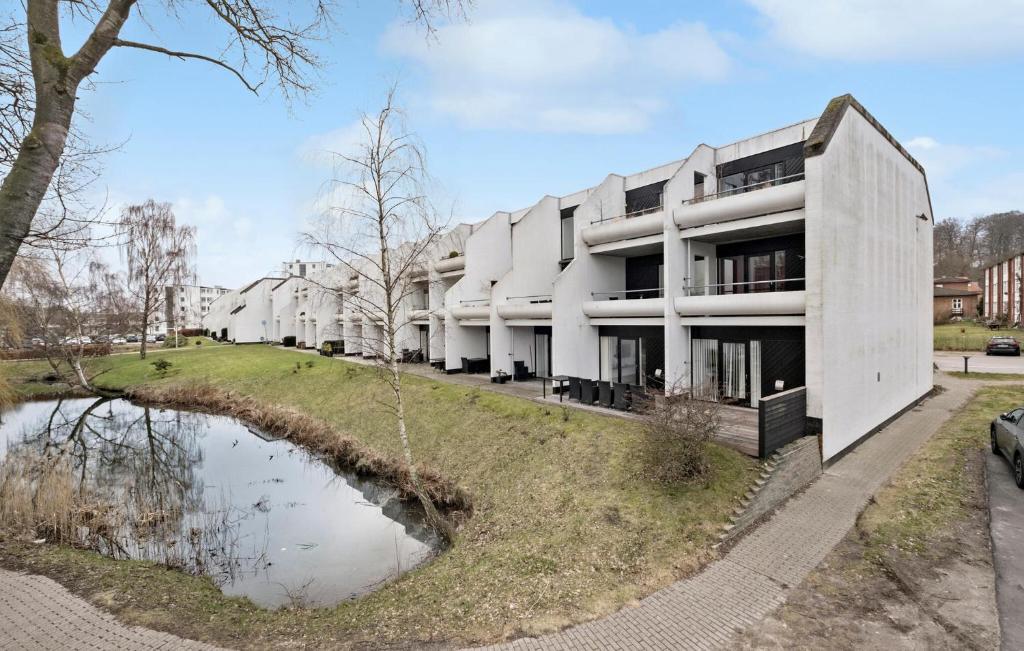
[189,55]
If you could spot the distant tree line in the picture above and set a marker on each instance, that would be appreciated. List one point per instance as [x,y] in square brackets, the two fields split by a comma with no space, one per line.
[965,248]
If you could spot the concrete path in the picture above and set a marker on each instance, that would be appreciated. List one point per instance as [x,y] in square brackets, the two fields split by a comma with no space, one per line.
[38,613]
[1006,510]
[979,362]
[751,580]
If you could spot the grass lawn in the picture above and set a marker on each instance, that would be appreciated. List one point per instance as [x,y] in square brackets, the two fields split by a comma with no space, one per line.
[566,526]
[948,336]
[933,490]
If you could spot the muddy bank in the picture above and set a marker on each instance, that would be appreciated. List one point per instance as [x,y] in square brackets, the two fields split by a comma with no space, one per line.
[343,451]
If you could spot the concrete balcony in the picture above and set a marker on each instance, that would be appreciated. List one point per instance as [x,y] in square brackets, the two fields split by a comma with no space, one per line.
[763,199]
[526,309]
[625,227]
[447,265]
[419,314]
[472,311]
[625,307]
[751,304]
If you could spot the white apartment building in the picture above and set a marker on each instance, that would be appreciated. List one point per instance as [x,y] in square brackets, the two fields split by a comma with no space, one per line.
[186,305]
[798,260]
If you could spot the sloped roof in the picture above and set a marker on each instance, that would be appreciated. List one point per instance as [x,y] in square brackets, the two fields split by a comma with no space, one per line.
[946,291]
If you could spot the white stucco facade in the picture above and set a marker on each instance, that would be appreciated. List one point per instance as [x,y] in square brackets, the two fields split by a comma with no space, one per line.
[797,257]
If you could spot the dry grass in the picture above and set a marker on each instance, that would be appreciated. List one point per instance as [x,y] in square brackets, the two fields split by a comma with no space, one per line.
[40,497]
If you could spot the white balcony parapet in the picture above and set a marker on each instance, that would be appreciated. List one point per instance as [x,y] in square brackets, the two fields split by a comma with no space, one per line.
[752,304]
[624,227]
[526,307]
[758,199]
[450,264]
[613,306]
[472,310]
[419,314]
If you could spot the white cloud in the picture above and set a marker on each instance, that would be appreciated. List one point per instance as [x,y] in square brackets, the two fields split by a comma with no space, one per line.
[967,180]
[320,149]
[880,30]
[544,66]
[942,160]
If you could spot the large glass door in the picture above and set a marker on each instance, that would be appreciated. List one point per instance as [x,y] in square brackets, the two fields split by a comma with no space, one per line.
[734,371]
[704,369]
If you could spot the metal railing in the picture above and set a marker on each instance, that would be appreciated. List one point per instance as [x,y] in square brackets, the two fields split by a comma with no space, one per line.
[475,301]
[614,295]
[535,298]
[749,287]
[634,213]
[782,180]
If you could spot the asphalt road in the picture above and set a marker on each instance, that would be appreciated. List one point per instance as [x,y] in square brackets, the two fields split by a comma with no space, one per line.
[1006,509]
[979,362]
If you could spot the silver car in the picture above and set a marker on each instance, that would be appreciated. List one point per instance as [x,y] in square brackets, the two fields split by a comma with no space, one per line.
[1007,433]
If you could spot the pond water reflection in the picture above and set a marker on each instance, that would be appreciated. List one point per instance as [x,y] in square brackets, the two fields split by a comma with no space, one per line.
[260,516]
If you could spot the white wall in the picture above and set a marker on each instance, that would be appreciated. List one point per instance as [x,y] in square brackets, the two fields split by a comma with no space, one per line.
[574,341]
[678,258]
[255,321]
[536,248]
[869,283]
[488,258]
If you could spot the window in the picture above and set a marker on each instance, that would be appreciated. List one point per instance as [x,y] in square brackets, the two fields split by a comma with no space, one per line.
[958,305]
[302,270]
[568,218]
[645,199]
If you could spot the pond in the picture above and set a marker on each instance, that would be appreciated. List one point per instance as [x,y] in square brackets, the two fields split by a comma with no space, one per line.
[261,517]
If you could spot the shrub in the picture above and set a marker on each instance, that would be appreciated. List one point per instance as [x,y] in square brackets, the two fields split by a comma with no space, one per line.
[676,433]
[161,365]
[288,342]
[453,254]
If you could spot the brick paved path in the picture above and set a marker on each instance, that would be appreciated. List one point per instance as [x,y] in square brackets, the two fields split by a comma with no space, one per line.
[751,580]
[38,613]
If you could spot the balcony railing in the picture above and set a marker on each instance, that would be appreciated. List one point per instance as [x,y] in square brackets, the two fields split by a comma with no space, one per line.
[623,294]
[537,306]
[749,287]
[638,212]
[782,180]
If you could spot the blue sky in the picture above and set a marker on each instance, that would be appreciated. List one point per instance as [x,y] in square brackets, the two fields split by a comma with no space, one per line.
[547,97]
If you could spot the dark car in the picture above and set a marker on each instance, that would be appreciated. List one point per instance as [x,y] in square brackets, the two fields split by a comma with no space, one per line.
[1008,440]
[132,339]
[161,337]
[1002,346]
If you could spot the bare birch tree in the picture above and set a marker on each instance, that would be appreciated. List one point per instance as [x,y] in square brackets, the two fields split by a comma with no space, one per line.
[382,233]
[39,87]
[158,253]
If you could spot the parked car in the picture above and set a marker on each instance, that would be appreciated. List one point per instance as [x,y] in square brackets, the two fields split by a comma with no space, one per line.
[1003,346]
[118,340]
[1007,433]
[132,339]
[150,339]
[161,337]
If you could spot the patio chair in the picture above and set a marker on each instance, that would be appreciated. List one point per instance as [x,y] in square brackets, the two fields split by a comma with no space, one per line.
[604,394]
[587,391]
[574,388]
[620,396]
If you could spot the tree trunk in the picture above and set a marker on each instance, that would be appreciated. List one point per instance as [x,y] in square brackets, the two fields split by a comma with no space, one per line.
[25,186]
[145,322]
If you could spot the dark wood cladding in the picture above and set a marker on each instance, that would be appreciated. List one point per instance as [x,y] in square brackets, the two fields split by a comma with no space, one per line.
[781,419]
